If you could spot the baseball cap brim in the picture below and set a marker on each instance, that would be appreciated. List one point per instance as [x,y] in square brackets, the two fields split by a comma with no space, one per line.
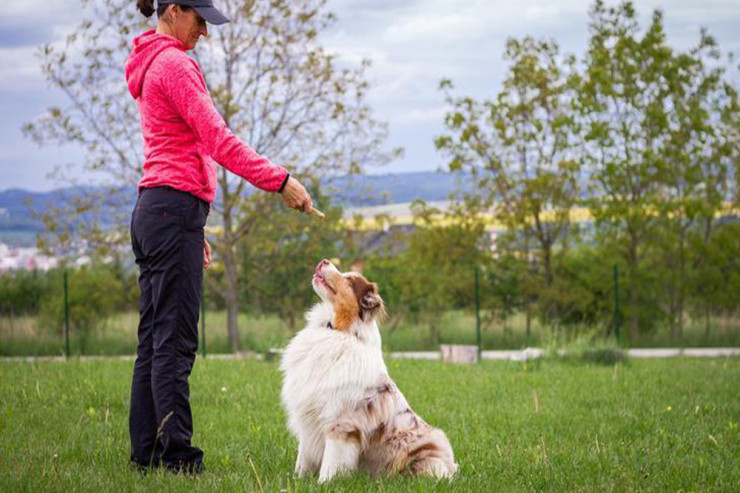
[212,15]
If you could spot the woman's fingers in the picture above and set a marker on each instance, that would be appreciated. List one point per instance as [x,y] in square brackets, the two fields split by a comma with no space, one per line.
[296,196]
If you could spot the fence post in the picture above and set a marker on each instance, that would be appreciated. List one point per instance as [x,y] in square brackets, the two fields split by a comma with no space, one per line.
[477,314]
[616,304]
[66,314]
[203,314]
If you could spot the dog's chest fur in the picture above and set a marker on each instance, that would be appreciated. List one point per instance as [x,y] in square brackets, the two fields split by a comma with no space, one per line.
[327,371]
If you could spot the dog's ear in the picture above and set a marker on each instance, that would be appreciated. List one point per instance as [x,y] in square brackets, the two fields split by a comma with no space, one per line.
[372,304]
[370,300]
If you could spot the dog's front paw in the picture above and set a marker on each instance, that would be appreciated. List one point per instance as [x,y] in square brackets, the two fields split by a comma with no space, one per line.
[327,474]
[323,478]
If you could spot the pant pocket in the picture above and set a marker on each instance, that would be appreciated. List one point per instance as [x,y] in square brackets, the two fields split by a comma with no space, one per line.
[195,213]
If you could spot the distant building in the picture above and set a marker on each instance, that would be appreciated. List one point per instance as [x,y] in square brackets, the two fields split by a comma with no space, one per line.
[14,259]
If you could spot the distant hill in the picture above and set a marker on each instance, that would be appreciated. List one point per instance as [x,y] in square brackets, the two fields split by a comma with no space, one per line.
[395,188]
[17,206]
[19,227]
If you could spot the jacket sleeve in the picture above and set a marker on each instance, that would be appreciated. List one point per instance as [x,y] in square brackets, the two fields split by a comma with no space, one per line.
[184,86]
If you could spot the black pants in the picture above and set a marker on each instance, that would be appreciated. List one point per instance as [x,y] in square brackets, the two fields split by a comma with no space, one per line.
[167,238]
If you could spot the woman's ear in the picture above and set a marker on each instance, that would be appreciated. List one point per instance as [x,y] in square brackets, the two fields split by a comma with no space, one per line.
[174,11]
[169,14]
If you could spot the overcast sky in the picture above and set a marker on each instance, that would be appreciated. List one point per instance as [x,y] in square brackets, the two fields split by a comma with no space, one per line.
[413,45]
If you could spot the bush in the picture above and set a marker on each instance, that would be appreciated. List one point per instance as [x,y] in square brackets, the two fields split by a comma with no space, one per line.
[93,295]
[21,292]
[591,347]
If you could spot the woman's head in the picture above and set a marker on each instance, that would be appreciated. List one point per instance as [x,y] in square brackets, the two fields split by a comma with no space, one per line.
[184,20]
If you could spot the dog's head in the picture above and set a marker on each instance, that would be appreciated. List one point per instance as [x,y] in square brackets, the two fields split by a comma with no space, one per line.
[351,295]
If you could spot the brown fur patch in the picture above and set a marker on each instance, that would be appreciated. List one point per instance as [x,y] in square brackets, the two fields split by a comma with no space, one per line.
[346,432]
[429,447]
[369,302]
[346,307]
[352,291]
[384,387]
[345,312]
[354,436]
[377,435]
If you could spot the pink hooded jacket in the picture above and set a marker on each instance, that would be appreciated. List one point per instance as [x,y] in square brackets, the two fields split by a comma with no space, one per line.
[184,136]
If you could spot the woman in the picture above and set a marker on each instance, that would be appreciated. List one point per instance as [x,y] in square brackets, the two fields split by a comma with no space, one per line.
[184,136]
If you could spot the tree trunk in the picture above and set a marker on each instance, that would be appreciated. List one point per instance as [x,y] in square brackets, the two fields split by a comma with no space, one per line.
[230,269]
[552,314]
[231,298]
[632,260]
[706,321]
[672,292]
[679,321]
[292,319]
[681,284]
[434,330]
[672,317]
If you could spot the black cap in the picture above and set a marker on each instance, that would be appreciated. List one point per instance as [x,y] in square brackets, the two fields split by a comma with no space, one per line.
[204,7]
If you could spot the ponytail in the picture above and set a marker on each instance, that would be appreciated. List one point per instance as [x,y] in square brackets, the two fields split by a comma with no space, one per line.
[146,7]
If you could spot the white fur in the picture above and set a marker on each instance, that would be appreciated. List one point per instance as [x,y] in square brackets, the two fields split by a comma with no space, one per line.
[330,379]
[326,372]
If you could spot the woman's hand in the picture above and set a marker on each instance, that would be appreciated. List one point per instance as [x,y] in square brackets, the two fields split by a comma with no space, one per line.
[206,254]
[296,197]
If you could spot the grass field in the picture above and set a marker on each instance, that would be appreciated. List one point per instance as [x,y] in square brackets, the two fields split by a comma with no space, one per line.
[22,336]
[669,425]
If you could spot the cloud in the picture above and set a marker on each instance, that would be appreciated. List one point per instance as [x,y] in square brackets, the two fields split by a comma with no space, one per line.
[18,35]
[25,26]
[34,22]
[20,70]
[23,164]
[412,43]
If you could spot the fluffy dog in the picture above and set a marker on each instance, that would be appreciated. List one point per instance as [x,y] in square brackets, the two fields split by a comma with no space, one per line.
[342,406]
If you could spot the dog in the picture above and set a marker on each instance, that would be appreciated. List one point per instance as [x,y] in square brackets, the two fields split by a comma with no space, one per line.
[342,406]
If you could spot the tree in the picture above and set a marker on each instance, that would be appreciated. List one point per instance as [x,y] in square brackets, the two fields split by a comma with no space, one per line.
[624,103]
[701,149]
[439,264]
[715,287]
[520,147]
[90,303]
[658,145]
[270,79]
[501,287]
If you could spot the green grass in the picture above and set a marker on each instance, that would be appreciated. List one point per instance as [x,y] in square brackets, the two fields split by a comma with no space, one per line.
[23,336]
[667,425]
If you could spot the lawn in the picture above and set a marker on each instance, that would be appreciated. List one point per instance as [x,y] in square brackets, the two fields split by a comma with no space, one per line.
[556,426]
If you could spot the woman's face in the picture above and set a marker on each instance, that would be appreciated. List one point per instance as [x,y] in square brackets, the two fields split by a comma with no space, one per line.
[187,26]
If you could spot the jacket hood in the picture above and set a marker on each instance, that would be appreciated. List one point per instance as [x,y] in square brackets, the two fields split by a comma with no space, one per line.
[144,49]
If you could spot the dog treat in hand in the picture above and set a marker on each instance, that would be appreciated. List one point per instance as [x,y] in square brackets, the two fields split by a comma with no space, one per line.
[317,213]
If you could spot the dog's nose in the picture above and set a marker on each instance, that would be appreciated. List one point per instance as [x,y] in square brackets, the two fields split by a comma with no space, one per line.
[321,265]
